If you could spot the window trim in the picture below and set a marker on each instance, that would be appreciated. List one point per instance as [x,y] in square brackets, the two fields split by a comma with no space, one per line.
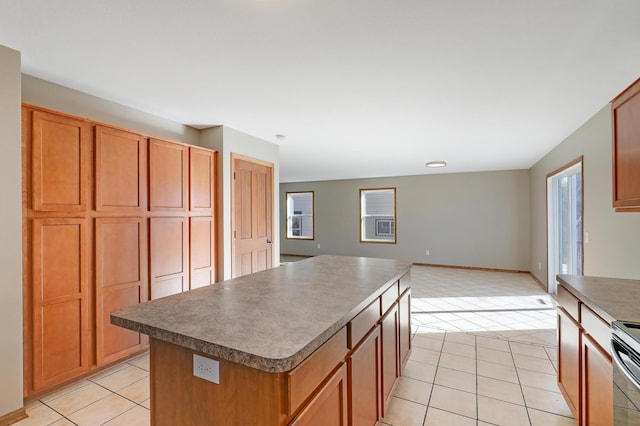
[395,216]
[313,216]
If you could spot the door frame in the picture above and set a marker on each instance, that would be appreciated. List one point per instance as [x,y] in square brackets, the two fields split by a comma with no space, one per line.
[236,156]
[579,160]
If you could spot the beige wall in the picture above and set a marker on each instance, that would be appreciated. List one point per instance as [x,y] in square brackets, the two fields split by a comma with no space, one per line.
[614,238]
[229,141]
[464,219]
[59,98]
[11,249]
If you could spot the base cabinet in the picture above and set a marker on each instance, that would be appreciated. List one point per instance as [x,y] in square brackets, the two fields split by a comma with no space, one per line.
[389,327]
[364,398]
[585,373]
[404,329]
[569,336]
[597,382]
[329,406]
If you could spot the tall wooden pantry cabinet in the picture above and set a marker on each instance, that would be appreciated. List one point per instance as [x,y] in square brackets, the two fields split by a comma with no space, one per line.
[111,218]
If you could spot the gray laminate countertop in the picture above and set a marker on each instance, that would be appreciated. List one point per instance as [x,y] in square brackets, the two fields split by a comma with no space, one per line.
[611,298]
[270,320]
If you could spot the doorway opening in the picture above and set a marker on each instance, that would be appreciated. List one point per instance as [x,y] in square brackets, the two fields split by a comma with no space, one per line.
[564,222]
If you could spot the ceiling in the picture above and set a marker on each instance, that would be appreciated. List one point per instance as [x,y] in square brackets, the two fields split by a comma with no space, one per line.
[360,88]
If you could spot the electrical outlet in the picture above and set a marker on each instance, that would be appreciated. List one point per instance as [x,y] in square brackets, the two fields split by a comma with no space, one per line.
[428,252]
[206,368]
[539,266]
[318,245]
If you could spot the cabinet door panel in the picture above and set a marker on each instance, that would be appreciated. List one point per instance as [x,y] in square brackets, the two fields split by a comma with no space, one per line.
[569,361]
[364,381]
[597,382]
[121,280]
[201,180]
[389,355]
[404,329]
[59,162]
[60,300]
[626,148]
[202,251]
[168,178]
[121,170]
[169,256]
[329,406]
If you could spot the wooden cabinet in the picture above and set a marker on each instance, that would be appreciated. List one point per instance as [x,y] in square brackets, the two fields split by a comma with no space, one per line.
[389,351]
[364,394]
[168,177]
[329,406]
[121,280]
[202,251]
[569,344]
[121,170]
[59,162]
[202,180]
[626,149]
[585,375]
[169,256]
[597,384]
[61,338]
[404,329]
[91,196]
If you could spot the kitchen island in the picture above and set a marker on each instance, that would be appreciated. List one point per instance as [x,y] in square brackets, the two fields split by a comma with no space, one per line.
[320,341]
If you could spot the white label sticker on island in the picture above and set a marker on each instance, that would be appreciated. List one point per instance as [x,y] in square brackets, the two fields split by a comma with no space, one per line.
[206,368]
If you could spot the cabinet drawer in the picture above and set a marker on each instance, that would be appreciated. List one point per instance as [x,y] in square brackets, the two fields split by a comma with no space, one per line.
[598,328]
[389,297]
[569,302]
[314,370]
[363,323]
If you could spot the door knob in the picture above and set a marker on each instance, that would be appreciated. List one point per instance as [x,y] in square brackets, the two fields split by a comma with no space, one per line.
[268,241]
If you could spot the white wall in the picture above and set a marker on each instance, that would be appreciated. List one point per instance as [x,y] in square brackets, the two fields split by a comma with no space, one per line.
[11,248]
[614,238]
[227,141]
[63,99]
[464,219]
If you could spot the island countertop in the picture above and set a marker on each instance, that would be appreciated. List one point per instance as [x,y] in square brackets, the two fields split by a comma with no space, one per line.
[270,320]
[614,299]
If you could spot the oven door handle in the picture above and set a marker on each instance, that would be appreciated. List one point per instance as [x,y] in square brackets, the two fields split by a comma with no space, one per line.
[625,363]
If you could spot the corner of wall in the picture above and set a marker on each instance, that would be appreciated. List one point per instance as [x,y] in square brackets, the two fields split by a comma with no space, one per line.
[11,366]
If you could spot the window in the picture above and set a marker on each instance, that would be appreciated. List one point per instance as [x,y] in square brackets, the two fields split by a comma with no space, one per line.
[300,215]
[378,215]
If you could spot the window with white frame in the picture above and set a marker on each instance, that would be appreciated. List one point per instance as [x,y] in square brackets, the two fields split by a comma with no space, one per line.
[378,215]
[300,215]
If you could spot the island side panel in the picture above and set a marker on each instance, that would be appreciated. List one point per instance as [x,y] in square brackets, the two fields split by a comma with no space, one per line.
[245,395]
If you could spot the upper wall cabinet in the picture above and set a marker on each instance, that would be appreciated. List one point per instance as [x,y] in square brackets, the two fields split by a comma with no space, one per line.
[121,170]
[202,179]
[59,157]
[626,149]
[168,177]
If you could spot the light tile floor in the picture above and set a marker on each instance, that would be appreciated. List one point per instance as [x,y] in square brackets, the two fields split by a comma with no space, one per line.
[484,353]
